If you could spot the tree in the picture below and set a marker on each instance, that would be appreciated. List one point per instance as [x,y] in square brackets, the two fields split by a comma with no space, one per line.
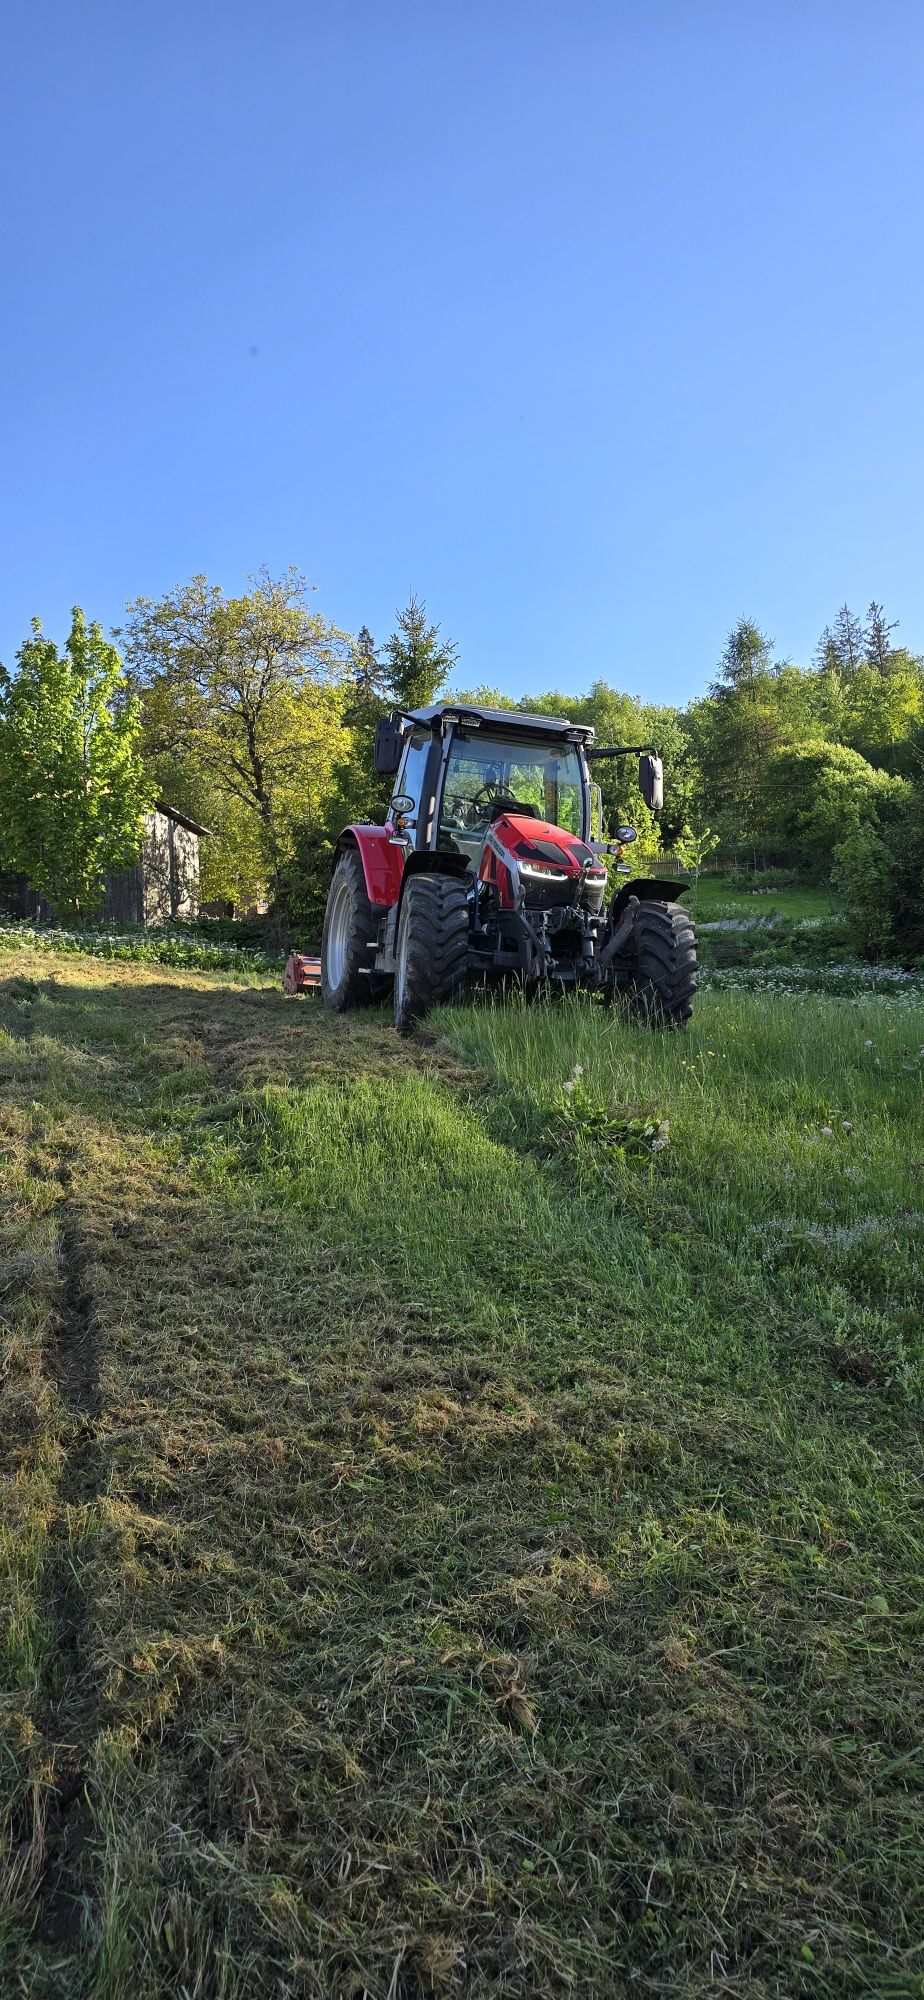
[72,789]
[417,664]
[735,730]
[368,672]
[842,644]
[249,691]
[883,714]
[877,645]
[667,729]
[817,794]
[357,791]
[826,657]
[879,873]
[746,660]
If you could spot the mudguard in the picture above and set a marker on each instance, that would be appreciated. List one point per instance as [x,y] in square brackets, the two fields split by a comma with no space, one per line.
[648,889]
[382,859]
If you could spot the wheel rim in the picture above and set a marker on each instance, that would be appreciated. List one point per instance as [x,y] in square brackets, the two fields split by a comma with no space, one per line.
[338,932]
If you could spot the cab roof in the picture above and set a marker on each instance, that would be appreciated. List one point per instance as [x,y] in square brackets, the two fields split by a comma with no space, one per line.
[512,719]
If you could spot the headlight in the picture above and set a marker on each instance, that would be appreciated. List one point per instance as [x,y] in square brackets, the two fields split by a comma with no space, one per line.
[544,871]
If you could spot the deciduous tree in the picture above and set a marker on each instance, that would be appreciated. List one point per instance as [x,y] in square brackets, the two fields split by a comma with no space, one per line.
[248,690]
[72,787]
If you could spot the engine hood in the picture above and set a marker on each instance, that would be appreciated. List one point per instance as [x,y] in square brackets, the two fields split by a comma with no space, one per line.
[542,858]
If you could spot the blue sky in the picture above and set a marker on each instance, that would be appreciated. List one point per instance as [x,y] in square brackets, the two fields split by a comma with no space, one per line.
[594,324]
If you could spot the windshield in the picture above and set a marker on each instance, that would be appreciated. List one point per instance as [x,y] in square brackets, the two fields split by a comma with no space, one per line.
[486,773]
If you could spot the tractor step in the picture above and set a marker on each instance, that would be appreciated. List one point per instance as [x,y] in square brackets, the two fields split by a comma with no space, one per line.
[302,975]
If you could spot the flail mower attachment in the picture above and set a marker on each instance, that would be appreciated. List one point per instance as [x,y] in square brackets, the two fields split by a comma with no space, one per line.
[302,975]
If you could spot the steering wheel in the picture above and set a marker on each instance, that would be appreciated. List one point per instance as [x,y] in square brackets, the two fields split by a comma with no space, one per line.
[495,797]
[468,809]
[495,794]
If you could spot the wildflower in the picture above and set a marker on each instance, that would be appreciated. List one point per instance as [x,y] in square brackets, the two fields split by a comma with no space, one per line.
[868,1042]
[846,1125]
[827,1131]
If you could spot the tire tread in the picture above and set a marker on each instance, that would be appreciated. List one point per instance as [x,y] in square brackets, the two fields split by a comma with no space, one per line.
[664,969]
[435,916]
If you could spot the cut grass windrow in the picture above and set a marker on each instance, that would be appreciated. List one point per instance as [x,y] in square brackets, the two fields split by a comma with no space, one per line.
[499,1571]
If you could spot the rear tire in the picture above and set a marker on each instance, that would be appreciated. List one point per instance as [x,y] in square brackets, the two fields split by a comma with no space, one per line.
[432,954]
[658,976]
[350,927]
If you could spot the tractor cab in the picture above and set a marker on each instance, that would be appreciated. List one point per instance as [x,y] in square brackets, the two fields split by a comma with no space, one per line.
[460,770]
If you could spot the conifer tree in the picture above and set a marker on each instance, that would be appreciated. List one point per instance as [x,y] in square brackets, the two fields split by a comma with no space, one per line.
[418,663]
[877,644]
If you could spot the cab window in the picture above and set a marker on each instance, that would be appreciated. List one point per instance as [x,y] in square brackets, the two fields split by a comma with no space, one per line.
[485,772]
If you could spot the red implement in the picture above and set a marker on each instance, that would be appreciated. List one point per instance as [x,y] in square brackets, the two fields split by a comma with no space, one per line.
[302,975]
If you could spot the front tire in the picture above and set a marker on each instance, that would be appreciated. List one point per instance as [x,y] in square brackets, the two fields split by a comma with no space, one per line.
[432,954]
[657,978]
[350,926]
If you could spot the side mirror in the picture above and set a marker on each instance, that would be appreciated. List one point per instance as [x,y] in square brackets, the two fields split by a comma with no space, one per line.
[389,739]
[651,781]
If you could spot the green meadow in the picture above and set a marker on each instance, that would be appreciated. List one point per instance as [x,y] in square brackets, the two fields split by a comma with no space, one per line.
[463,1526]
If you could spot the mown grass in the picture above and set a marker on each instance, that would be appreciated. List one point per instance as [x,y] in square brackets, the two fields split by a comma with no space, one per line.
[502,1573]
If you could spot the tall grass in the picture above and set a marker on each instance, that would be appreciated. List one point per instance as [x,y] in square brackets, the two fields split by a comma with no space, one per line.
[791,1188]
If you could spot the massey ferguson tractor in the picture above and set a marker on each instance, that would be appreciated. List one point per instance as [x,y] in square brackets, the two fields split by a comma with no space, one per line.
[490,866]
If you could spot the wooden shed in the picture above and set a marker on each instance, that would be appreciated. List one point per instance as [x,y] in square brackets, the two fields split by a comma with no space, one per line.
[164,883]
[162,886]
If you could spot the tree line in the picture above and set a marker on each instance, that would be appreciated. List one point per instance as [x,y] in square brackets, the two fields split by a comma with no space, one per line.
[256,716]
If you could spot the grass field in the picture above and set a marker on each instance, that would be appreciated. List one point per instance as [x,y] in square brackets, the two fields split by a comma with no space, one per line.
[724,896]
[461,1535]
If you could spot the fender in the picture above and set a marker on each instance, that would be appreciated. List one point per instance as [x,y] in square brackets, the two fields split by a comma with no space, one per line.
[383,862]
[648,889]
[387,864]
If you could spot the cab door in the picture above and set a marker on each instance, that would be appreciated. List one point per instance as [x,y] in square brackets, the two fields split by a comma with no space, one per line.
[416,780]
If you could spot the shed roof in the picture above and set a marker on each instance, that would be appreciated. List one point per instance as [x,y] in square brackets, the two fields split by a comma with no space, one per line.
[182,819]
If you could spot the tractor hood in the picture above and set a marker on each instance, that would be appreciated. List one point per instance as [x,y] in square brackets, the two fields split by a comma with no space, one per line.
[543,860]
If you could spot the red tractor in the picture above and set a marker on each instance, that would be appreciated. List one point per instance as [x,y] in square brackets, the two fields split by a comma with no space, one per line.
[487,868]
